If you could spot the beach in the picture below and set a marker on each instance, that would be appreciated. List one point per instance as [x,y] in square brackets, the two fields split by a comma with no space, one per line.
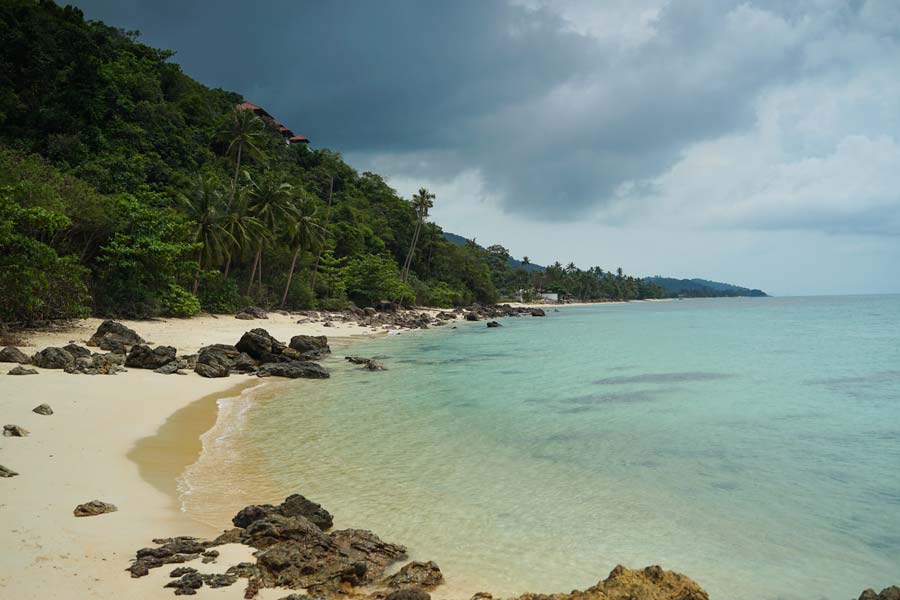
[86,451]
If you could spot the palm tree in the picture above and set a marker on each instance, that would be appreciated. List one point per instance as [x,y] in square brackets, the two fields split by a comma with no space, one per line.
[243,228]
[305,230]
[205,208]
[271,203]
[327,220]
[421,202]
[244,132]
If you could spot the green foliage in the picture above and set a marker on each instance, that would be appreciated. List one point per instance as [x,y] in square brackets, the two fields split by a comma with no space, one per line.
[373,278]
[300,295]
[445,296]
[178,302]
[218,295]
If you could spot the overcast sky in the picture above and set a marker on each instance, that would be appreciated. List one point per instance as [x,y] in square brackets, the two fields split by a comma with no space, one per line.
[752,142]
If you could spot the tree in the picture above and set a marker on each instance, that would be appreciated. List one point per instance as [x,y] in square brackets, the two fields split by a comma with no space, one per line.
[242,131]
[305,230]
[206,208]
[271,204]
[421,202]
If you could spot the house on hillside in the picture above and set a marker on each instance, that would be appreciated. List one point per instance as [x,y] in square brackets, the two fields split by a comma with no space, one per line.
[289,136]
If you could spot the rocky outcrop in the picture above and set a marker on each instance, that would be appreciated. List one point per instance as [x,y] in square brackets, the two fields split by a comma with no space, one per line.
[94,508]
[252,312]
[259,344]
[369,363]
[294,369]
[53,358]
[77,351]
[493,324]
[14,431]
[20,370]
[216,360]
[142,356]
[98,364]
[888,593]
[472,316]
[7,472]
[538,312]
[114,333]
[312,346]
[650,583]
[43,409]
[294,505]
[408,594]
[416,574]
[170,551]
[11,354]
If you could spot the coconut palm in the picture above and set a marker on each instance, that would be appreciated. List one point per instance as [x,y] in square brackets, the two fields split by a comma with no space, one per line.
[271,203]
[305,231]
[244,132]
[205,207]
[422,202]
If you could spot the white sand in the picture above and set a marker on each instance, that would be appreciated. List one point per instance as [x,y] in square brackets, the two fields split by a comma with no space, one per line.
[80,453]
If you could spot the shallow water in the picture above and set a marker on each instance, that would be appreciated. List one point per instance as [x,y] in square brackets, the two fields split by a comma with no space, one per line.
[753,444]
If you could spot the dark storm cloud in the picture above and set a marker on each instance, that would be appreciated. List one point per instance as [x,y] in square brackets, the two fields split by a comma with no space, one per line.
[554,116]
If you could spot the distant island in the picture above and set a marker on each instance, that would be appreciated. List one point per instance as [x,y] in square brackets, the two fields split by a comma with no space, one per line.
[702,288]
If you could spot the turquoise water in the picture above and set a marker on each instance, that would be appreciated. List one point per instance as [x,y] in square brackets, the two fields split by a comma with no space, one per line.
[753,444]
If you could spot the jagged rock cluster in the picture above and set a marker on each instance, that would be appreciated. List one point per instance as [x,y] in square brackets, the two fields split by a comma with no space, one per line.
[649,583]
[888,593]
[260,353]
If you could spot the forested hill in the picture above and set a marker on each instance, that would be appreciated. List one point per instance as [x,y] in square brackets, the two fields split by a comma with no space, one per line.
[702,288]
[512,262]
[128,188]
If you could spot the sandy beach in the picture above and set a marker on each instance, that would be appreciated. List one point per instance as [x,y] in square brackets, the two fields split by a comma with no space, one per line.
[85,451]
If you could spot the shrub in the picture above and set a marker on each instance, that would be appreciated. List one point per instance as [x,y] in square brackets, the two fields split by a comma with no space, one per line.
[444,296]
[178,302]
[218,294]
[300,295]
[373,278]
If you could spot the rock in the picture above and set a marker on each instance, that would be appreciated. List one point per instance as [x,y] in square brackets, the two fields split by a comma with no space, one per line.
[650,583]
[492,324]
[296,505]
[98,364]
[112,342]
[216,360]
[182,571]
[244,569]
[244,317]
[11,354]
[409,594]
[53,358]
[217,580]
[20,370]
[171,550]
[294,369]
[142,356]
[888,593]
[14,431]
[94,508]
[482,596]
[6,472]
[252,312]
[192,581]
[313,346]
[168,368]
[368,363]
[258,342]
[369,311]
[472,317]
[77,351]
[416,574]
[210,556]
[296,597]
[537,312]
[119,333]
[43,409]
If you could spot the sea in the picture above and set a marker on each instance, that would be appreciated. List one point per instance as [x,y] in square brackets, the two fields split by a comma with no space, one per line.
[752,444]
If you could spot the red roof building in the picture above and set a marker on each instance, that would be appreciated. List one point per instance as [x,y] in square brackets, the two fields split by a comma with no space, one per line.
[288,135]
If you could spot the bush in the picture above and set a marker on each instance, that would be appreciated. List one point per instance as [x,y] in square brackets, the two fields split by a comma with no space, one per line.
[444,296]
[178,302]
[373,278]
[218,294]
[300,295]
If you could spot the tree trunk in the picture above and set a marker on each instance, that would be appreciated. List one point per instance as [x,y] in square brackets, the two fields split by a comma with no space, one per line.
[253,271]
[197,274]
[290,277]
[237,170]
[227,265]
[412,248]
[327,218]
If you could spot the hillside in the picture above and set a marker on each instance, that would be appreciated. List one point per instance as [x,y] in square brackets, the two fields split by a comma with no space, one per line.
[512,262]
[702,288]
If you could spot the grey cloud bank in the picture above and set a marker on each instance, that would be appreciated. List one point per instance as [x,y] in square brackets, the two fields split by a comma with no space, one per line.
[663,136]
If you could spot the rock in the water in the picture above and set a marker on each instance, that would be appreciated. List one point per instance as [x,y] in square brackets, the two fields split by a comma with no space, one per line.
[312,346]
[254,512]
[538,312]
[11,354]
[296,505]
[369,363]
[888,593]
[143,357]
[472,317]
[20,370]
[94,508]
[412,593]
[416,574]
[293,370]
[14,431]
[252,312]
[53,358]
[494,324]
[6,472]
[650,583]
[119,333]
[258,343]
[43,409]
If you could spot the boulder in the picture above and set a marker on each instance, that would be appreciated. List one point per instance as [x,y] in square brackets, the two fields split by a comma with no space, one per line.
[416,574]
[6,472]
[182,571]
[94,508]
[20,370]
[492,324]
[244,316]
[53,358]
[472,317]
[142,356]
[310,345]
[120,333]
[258,343]
[368,363]
[650,583]
[296,505]
[14,431]
[411,593]
[252,513]
[216,360]
[43,409]
[537,312]
[253,312]
[98,364]
[294,369]
[77,351]
[112,342]
[888,593]
[11,354]
[370,311]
